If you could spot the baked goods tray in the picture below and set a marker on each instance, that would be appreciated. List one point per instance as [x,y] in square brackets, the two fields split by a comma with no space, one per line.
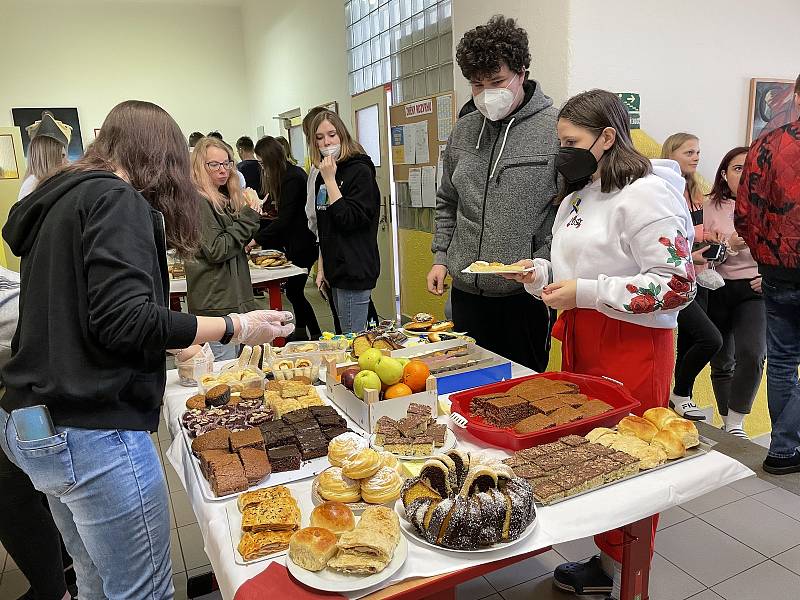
[602,388]
[309,468]
[235,526]
[690,454]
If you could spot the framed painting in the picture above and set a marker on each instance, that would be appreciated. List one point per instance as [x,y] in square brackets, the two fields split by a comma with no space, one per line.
[23,117]
[771,106]
[9,169]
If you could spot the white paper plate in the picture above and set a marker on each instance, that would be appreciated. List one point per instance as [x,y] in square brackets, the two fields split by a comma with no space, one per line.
[411,532]
[276,267]
[449,444]
[329,580]
[498,271]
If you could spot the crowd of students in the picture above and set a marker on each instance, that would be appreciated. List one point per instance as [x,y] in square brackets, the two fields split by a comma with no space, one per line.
[627,249]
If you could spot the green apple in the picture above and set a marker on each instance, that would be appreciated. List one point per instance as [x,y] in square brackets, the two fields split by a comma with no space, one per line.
[390,370]
[404,361]
[368,361]
[366,380]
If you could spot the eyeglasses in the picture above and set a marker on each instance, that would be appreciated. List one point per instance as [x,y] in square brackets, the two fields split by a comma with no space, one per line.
[214,165]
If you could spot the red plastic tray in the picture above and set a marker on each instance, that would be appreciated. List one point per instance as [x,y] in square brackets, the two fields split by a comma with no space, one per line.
[607,390]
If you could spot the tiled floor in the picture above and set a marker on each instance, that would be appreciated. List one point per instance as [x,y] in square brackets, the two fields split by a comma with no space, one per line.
[741,542]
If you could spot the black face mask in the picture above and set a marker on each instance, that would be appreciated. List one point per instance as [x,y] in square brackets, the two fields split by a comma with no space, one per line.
[576,165]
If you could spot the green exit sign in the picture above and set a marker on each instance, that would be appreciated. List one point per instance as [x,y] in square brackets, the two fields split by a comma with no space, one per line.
[632,102]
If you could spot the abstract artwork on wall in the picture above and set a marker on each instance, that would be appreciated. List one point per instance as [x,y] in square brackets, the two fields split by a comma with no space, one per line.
[771,106]
[9,169]
[23,117]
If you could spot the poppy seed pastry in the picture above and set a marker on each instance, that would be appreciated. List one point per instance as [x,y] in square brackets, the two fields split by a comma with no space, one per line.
[219,395]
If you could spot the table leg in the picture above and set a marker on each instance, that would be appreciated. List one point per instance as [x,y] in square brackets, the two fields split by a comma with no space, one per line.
[636,560]
[275,303]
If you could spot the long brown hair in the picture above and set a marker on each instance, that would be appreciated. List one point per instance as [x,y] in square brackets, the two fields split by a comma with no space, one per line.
[693,188]
[202,180]
[720,190]
[143,143]
[273,161]
[350,147]
[45,156]
[622,164]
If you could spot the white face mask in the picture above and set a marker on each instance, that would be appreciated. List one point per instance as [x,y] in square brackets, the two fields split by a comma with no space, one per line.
[496,103]
[331,150]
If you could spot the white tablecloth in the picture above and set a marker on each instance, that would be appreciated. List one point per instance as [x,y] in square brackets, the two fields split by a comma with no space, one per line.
[580,517]
[178,286]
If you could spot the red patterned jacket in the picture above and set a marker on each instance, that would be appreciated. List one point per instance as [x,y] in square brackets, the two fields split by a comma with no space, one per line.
[768,203]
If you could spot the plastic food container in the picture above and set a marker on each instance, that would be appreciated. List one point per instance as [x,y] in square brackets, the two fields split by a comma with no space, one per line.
[326,349]
[288,366]
[237,378]
[190,372]
[607,390]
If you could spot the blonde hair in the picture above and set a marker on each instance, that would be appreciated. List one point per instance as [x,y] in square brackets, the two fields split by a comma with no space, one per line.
[350,147]
[45,155]
[202,180]
[693,185]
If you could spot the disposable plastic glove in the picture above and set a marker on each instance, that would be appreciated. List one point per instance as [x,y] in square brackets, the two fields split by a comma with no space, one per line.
[262,326]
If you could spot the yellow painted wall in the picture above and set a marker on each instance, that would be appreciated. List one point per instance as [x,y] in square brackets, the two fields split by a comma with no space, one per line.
[9,190]
[415,262]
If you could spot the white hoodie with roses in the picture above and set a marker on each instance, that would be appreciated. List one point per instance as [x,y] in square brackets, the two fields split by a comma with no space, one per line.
[629,249]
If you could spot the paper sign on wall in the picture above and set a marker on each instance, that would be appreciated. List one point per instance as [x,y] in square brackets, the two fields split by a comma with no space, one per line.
[410,143]
[415,109]
[398,145]
[440,165]
[444,114]
[421,152]
[415,187]
[429,187]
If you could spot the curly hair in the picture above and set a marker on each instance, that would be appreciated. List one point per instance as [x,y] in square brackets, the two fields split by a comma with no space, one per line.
[482,50]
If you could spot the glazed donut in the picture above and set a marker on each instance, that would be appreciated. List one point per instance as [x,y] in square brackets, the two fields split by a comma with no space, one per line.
[362,465]
[344,446]
[335,486]
[383,487]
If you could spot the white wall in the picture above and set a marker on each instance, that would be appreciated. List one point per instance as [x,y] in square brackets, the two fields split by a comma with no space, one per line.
[546,22]
[691,61]
[91,55]
[296,57]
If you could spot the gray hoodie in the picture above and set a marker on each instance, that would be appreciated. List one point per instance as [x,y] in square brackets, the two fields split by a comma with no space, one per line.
[495,202]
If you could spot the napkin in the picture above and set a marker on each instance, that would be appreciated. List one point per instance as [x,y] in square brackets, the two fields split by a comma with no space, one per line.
[274,582]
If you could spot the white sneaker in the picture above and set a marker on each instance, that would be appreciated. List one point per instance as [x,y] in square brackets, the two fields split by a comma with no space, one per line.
[687,409]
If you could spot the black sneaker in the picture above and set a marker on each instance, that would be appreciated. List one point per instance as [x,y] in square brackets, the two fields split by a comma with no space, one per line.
[583,578]
[782,466]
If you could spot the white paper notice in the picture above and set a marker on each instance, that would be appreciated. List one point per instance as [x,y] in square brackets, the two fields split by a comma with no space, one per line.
[429,187]
[444,113]
[422,154]
[415,187]
[440,165]
[410,142]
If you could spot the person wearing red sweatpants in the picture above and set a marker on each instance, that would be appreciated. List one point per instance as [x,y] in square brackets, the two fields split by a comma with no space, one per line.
[620,269]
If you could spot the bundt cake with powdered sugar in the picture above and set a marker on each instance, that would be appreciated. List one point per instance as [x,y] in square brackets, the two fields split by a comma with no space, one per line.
[463,503]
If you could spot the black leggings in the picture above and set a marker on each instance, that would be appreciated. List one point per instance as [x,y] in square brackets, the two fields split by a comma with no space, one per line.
[737,368]
[698,341]
[29,534]
[304,317]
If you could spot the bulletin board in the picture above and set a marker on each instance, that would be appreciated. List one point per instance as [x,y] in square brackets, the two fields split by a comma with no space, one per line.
[419,133]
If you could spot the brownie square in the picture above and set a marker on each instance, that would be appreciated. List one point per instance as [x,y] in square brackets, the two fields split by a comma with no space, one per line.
[306,425]
[548,405]
[530,454]
[568,457]
[548,462]
[310,449]
[548,491]
[574,440]
[323,411]
[272,425]
[516,461]
[331,421]
[315,436]
[529,472]
[227,477]
[332,432]
[280,437]
[551,447]
[296,416]
[255,463]
[574,400]
[438,433]
[533,423]
[412,426]
[218,439]
[419,409]
[284,458]
[477,405]
[594,407]
[598,449]
[208,456]
[247,438]
[565,414]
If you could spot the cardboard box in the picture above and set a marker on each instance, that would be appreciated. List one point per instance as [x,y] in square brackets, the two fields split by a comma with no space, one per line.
[365,413]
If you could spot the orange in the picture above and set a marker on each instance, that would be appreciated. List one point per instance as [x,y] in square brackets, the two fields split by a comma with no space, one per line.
[414,375]
[397,390]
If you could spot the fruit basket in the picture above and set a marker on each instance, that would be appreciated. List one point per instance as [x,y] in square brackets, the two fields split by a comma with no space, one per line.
[600,388]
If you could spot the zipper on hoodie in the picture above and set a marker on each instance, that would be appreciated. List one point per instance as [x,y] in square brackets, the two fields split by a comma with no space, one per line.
[483,213]
[533,163]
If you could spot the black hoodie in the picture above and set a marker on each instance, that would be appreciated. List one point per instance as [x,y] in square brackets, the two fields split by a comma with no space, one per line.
[93,317]
[348,228]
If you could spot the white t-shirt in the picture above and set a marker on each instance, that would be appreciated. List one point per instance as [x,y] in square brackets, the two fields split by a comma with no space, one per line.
[27,186]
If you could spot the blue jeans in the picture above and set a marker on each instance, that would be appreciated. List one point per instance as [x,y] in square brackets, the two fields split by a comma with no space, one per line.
[782,301]
[352,306]
[223,351]
[109,499]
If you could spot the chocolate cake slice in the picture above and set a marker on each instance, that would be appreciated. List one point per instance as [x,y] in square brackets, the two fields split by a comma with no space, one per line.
[255,463]
[323,411]
[332,432]
[506,412]
[296,416]
[331,421]
[284,458]
[218,439]
[248,438]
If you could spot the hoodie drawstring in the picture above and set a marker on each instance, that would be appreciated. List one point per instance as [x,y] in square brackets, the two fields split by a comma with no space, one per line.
[480,135]
[502,146]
